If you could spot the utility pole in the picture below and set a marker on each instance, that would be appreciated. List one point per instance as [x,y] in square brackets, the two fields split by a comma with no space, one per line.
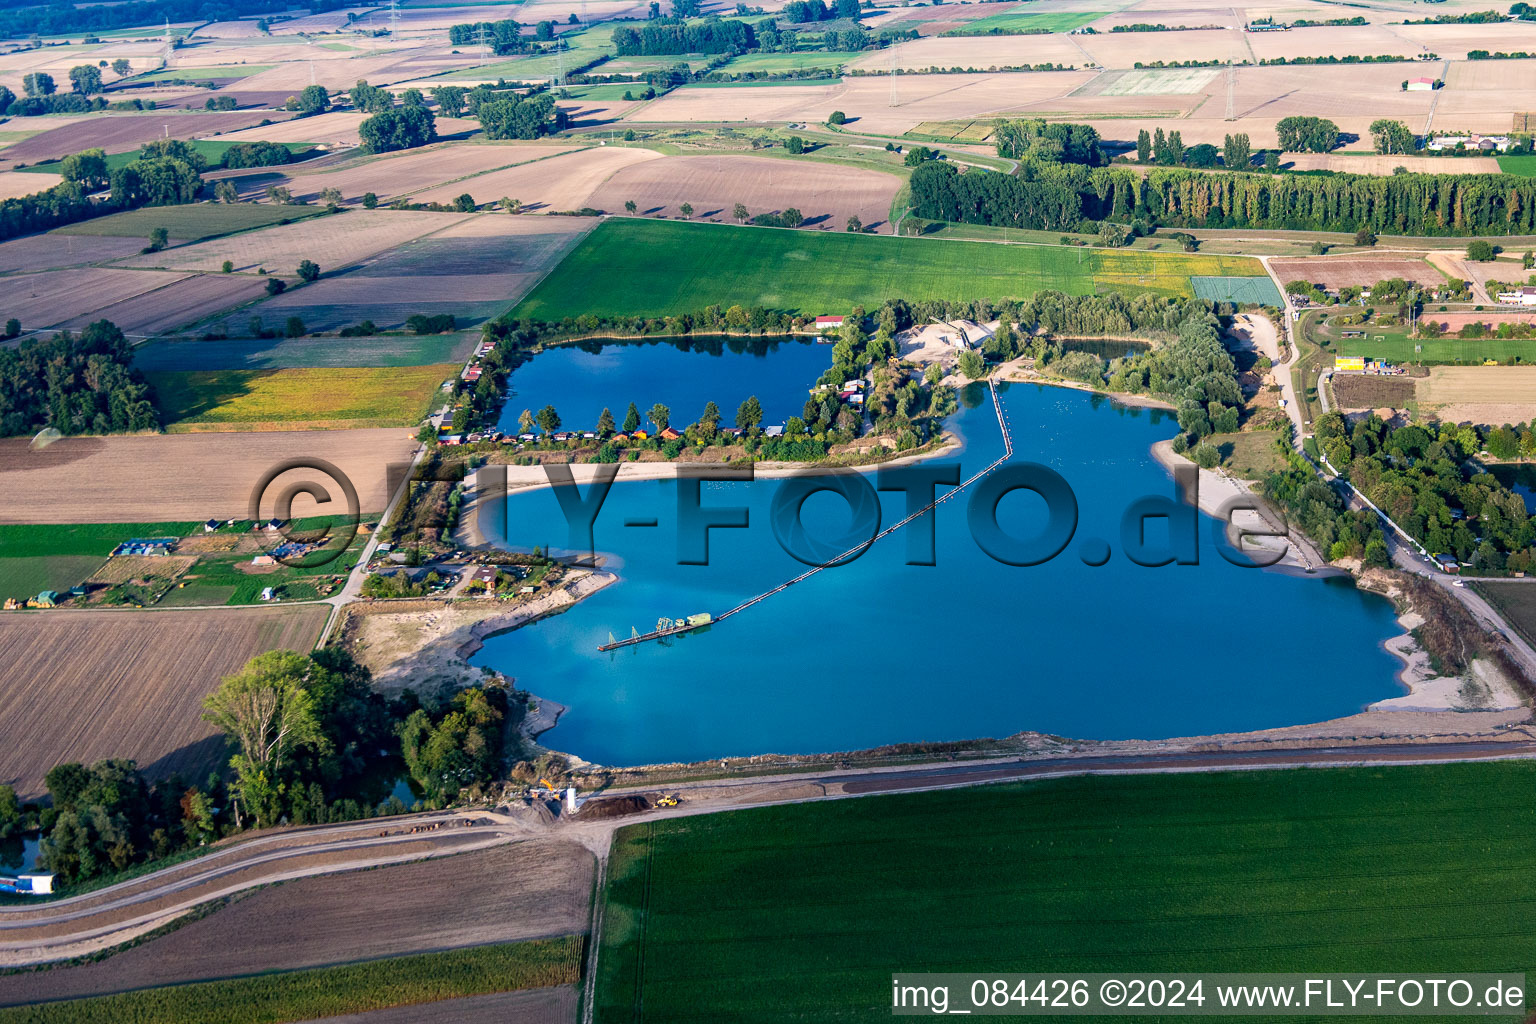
[1231,91]
[394,18]
[893,73]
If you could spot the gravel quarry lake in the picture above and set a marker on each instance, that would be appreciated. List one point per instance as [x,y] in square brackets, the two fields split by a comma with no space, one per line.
[877,651]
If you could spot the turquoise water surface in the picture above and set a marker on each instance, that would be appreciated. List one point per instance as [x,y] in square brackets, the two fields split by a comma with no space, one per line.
[878,651]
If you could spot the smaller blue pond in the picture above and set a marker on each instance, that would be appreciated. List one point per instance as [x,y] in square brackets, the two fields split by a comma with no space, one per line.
[580,380]
[1521,479]
[18,854]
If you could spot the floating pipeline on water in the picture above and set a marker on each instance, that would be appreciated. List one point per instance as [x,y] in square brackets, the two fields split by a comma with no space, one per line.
[1177,545]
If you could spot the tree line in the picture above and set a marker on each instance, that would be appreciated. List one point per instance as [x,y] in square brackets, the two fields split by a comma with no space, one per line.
[161,176]
[74,383]
[505,36]
[1071,197]
[668,37]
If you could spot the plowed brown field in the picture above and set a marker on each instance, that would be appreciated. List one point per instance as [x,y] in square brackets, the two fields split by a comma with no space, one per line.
[83,685]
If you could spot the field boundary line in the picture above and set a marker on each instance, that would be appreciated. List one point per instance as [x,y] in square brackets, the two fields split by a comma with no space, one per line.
[576,238]
[595,931]
[490,170]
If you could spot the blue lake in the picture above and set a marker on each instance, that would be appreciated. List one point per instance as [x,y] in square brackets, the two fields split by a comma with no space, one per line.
[682,374]
[878,651]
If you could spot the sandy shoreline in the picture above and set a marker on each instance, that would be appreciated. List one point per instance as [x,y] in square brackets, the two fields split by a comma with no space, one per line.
[472,534]
[1217,490]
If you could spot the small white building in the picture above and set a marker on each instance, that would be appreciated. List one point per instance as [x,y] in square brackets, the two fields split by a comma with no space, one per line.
[1421,85]
[1524,296]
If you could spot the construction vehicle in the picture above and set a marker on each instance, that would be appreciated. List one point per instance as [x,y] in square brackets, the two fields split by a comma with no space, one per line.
[550,786]
[668,800]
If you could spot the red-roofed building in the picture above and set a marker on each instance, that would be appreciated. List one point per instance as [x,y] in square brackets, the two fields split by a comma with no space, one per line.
[826,322]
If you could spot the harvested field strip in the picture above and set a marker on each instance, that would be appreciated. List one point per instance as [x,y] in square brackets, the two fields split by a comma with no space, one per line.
[177,305]
[795,912]
[954,131]
[190,223]
[655,268]
[54,298]
[354,916]
[1361,391]
[284,398]
[1459,390]
[86,685]
[1334,273]
[117,132]
[127,478]
[1024,22]
[280,248]
[329,991]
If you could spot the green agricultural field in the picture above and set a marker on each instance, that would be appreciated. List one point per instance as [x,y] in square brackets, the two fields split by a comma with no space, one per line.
[191,223]
[1024,22]
[1525,166]
[1243,290]
[201,74]
[654,268]
[1397,347]
[297,398]
[310,351]
[777,63]
[610,93]
[212,150]
[328,991]
[1395,344]
[802,912]
[1517,603]
[38,558]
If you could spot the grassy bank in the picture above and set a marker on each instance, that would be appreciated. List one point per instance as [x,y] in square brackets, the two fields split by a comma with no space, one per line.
[631,266]
[803,912]
[327,991]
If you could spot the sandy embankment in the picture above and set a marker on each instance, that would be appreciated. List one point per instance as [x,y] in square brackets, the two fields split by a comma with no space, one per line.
[1217,490]
[426,645]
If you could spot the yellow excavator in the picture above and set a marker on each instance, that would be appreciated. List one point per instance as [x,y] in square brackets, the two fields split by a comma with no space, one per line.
[549,786]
